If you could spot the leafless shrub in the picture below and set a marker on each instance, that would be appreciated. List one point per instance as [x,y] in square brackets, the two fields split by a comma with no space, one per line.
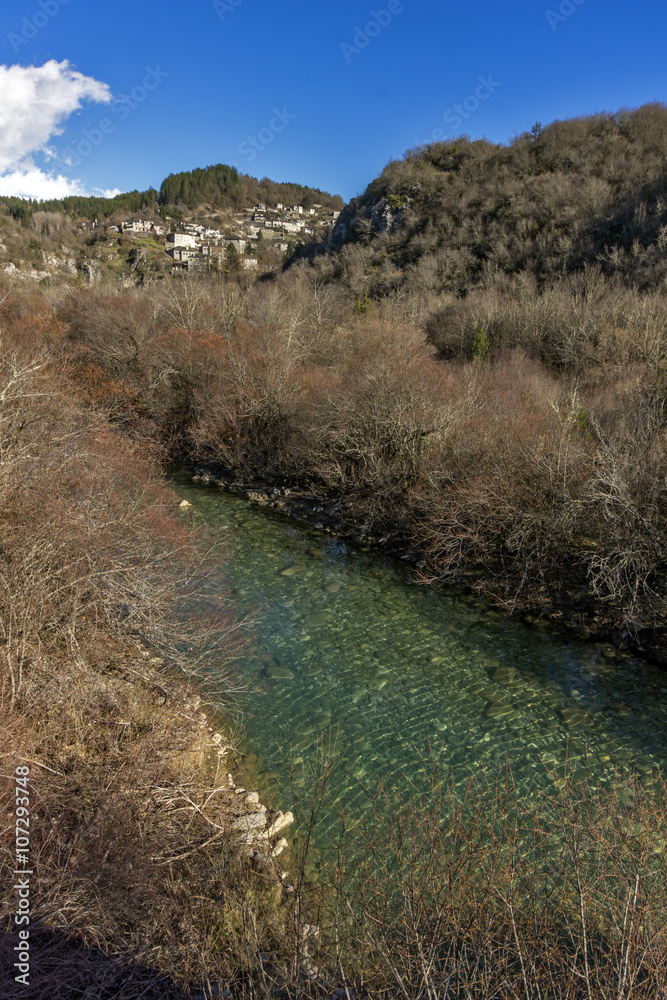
[481,892]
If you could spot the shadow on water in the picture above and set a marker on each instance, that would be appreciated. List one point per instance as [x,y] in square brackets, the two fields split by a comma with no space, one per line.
[352,647]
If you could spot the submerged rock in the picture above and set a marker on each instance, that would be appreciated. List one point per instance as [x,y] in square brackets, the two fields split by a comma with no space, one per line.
[316,618]
[280,823]
[573,716]
[504,675]
[495,709]
[279,673]
[291,570]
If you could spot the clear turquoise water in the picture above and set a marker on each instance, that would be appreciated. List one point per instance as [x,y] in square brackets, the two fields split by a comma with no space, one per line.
[352,647]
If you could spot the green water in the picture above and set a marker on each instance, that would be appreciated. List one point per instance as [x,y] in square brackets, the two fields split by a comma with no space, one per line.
[352,647]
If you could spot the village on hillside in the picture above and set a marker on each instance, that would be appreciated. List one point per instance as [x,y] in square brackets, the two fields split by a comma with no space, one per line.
[147,245]
[195,247]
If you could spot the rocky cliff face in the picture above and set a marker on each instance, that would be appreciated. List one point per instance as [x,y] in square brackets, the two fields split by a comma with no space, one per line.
[363,220]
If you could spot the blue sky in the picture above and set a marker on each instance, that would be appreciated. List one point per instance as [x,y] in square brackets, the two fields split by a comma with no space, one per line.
[322,94]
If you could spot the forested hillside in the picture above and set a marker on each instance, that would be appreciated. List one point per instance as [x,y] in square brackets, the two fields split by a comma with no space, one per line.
[222,186]
[79,207]
[462,214]
[217,186]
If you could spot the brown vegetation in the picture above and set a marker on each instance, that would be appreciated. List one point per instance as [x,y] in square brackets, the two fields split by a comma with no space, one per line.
[516,433]
[521,444]
[94,558]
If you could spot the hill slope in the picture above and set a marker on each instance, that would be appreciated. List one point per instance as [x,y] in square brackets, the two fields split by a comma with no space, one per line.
[455,215]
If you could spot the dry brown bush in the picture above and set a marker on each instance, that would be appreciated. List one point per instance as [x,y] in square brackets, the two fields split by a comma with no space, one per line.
[482,892]
[124,804]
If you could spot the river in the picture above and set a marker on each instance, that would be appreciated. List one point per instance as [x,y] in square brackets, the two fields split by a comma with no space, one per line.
[400,674]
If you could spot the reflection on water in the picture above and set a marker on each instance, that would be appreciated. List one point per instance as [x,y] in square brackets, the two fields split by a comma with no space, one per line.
[354,647]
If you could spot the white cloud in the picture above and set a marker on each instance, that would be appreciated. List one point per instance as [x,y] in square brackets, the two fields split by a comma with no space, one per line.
[36,101]
[28,181]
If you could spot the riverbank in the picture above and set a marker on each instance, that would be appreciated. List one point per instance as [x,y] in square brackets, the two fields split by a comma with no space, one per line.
[566,606]
[142,858]
[145,851]
[528,471]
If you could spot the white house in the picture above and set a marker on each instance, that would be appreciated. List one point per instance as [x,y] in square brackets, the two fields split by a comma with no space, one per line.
[180,240]
[141,226]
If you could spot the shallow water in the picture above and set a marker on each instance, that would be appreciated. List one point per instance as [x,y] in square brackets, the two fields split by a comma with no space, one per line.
[353,648]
